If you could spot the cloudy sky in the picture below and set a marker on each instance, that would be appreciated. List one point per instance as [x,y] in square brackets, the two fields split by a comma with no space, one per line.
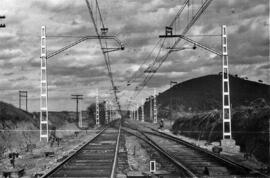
[138,23]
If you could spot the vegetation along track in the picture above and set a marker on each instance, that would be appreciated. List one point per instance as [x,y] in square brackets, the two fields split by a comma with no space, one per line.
[97,158]
[192,160]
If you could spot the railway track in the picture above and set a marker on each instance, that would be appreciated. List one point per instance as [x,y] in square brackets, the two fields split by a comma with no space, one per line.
[192,160]
[96,158]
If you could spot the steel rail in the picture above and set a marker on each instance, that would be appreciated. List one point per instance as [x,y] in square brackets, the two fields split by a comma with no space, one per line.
[116,153]
[72,155]
[213,155]
[187,172]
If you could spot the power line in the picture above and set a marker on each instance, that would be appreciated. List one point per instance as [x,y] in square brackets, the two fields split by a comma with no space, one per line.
[186,29]
[104,52]
[133,77]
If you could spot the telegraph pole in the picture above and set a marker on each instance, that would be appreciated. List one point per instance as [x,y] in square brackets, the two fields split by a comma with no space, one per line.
[23,94]
[171,85]
[77,98]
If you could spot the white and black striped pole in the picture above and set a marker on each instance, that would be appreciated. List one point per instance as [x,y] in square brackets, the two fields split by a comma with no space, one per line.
[44,133]
[97,109]
[226,108]
[155,107]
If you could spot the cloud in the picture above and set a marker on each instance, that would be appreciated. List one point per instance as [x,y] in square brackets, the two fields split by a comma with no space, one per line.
[10,53]
[138,24]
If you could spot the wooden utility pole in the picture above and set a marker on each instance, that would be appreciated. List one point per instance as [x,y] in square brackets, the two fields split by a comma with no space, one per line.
[77,98]
[172,83]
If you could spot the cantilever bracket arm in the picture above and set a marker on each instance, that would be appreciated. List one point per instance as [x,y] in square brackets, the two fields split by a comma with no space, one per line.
[108,50]
[84,38]
[193,42]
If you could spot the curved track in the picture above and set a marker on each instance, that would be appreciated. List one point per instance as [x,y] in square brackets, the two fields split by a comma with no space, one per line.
[97,158]
[193,161]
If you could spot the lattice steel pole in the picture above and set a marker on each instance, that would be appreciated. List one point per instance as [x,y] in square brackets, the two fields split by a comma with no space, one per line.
[226,109]
[151,110]
[44,133]
[106,112]
[137,111]
[110,111]
[20,103]
[81,119]
[133,114]
[142,111]
[155,106]
[97,109]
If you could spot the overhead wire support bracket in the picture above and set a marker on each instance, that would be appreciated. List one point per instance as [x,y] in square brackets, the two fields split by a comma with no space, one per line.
[105,54]
[84,38]
[108,50]
[195,17]
[195,43]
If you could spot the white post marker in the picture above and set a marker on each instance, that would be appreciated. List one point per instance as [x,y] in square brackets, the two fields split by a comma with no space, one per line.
[153,168]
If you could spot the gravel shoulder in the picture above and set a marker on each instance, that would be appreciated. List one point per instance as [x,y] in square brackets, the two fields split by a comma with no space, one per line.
[35,161]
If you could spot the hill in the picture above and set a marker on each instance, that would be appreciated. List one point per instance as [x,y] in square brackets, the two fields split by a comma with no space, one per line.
[205,93]
[196,111]
[18,128]
[11,116]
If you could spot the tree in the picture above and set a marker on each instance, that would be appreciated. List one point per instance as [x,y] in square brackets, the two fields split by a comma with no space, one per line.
[91,111]
[3,117]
